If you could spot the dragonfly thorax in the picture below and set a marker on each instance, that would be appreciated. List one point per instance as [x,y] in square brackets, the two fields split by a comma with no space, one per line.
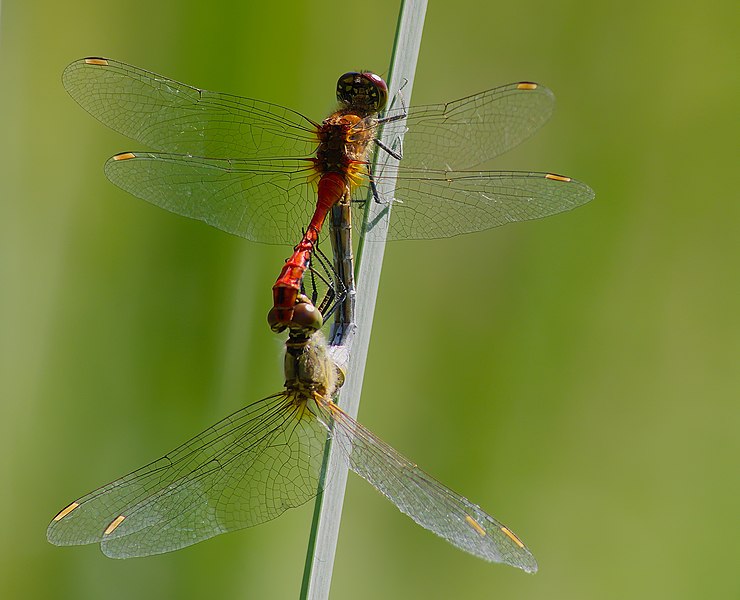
[308,367]
[344,145]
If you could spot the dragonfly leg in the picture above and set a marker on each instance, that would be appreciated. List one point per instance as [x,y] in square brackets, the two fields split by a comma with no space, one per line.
[393,118]
[393,153]
[374,189]
[336,290]
[314,292]
[397,154]
[398,96]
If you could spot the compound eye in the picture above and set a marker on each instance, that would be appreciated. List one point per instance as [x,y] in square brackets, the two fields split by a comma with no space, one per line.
[366,92]
[346,87]
[307,316]
[380,90]
[273,319]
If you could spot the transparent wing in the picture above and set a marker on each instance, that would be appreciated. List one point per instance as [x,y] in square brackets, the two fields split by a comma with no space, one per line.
[245,470]
[416,494]
[268,200]
[173,117]
[438,204]
[462,134]
[272,200]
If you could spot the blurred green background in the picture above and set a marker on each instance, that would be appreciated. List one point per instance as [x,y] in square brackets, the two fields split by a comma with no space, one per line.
[577,376]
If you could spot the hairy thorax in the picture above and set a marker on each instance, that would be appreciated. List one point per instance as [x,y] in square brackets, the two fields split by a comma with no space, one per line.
[344,145]
[309,368]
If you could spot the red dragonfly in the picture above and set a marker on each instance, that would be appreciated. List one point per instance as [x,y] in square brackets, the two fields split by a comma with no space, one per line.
[262,171]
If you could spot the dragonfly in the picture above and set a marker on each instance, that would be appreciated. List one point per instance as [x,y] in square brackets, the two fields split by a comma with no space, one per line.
[265,459]
[262,171]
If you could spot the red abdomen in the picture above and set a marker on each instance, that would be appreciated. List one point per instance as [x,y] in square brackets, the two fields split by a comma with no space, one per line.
[331,189]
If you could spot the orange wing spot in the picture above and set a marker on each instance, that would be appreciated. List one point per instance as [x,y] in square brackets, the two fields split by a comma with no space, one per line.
[526,85]
[114,525]
[475,525]
[65,511]
[512,537]
[100,62]
[557,177]
[124,156]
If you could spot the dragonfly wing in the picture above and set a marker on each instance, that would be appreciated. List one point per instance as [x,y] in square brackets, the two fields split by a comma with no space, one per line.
[421,497]
[465,133]
[438,204]
[170,116]
[245,470]
[267,200]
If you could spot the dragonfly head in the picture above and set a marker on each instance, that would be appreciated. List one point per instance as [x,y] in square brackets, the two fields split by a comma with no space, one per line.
[304,317]
[365,92]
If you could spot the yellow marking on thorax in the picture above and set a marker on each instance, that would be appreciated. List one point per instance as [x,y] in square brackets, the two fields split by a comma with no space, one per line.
[525,85]
[65,511]
[475,525]
[114,525]
[557,177]
[355,175]
[100,62]
[512,537]
[124,156]
[349,118]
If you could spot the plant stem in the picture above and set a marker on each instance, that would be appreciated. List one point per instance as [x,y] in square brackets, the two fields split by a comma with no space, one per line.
[328,510]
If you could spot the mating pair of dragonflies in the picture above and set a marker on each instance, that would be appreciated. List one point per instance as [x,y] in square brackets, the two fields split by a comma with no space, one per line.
[269,174]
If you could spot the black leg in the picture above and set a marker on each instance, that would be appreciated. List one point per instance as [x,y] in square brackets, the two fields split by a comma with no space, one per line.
[393,153]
